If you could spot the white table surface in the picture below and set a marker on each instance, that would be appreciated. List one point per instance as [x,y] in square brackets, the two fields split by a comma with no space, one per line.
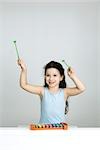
[16,138]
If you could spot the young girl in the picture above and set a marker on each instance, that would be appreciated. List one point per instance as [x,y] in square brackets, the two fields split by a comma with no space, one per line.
[54,94]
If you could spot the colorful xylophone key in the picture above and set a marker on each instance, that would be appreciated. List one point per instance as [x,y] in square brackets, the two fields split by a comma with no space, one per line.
[58,126]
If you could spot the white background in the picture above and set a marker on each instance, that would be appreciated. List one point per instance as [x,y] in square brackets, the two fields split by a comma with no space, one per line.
[47,32]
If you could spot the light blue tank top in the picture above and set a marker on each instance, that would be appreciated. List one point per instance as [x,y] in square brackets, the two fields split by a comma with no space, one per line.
[52,107]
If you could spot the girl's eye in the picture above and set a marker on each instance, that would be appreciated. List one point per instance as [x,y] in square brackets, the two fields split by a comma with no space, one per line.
[47,75]
[55,75]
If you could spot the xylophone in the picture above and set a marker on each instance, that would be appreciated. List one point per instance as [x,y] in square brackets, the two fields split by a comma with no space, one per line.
[55,126]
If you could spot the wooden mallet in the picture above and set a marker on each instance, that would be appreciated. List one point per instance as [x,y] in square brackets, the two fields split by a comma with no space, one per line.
[16,49]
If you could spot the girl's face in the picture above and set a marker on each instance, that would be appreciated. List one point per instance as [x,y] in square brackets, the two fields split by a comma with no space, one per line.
[53,77]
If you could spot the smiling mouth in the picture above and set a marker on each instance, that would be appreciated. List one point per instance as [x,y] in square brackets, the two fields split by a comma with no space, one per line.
[51,82]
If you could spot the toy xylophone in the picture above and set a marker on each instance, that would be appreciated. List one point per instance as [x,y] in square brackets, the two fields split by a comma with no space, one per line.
[55,126]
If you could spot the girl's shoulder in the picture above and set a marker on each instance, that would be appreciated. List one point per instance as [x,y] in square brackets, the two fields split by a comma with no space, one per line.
[44,90]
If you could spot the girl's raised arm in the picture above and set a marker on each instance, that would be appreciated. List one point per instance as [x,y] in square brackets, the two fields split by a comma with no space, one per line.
[23,80]
[79,86]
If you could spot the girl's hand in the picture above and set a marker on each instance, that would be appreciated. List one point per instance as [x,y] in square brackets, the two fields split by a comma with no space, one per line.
[21,64]
[71,73]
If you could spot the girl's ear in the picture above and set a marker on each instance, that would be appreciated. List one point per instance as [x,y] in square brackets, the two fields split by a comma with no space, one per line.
[61,78]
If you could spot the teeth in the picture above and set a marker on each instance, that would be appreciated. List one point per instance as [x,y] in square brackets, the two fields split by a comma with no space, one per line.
[51,82]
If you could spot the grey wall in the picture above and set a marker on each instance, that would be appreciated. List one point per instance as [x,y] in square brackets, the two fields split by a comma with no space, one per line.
[47,32]
[98,66]
[0,65]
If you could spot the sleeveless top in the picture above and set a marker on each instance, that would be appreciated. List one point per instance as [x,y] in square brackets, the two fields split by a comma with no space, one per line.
[52,107]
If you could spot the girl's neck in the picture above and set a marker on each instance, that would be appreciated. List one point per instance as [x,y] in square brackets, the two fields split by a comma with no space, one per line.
[53,89]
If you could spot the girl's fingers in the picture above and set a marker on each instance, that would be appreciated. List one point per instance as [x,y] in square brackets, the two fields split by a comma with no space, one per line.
[19,62]
[70,70]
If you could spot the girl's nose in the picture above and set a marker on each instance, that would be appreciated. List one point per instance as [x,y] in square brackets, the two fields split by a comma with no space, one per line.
[51,78]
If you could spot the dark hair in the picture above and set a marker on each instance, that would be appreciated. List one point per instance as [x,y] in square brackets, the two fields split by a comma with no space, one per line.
[62,84]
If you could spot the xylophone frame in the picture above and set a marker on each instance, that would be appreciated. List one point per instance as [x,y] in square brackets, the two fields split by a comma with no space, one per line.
[63,126]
